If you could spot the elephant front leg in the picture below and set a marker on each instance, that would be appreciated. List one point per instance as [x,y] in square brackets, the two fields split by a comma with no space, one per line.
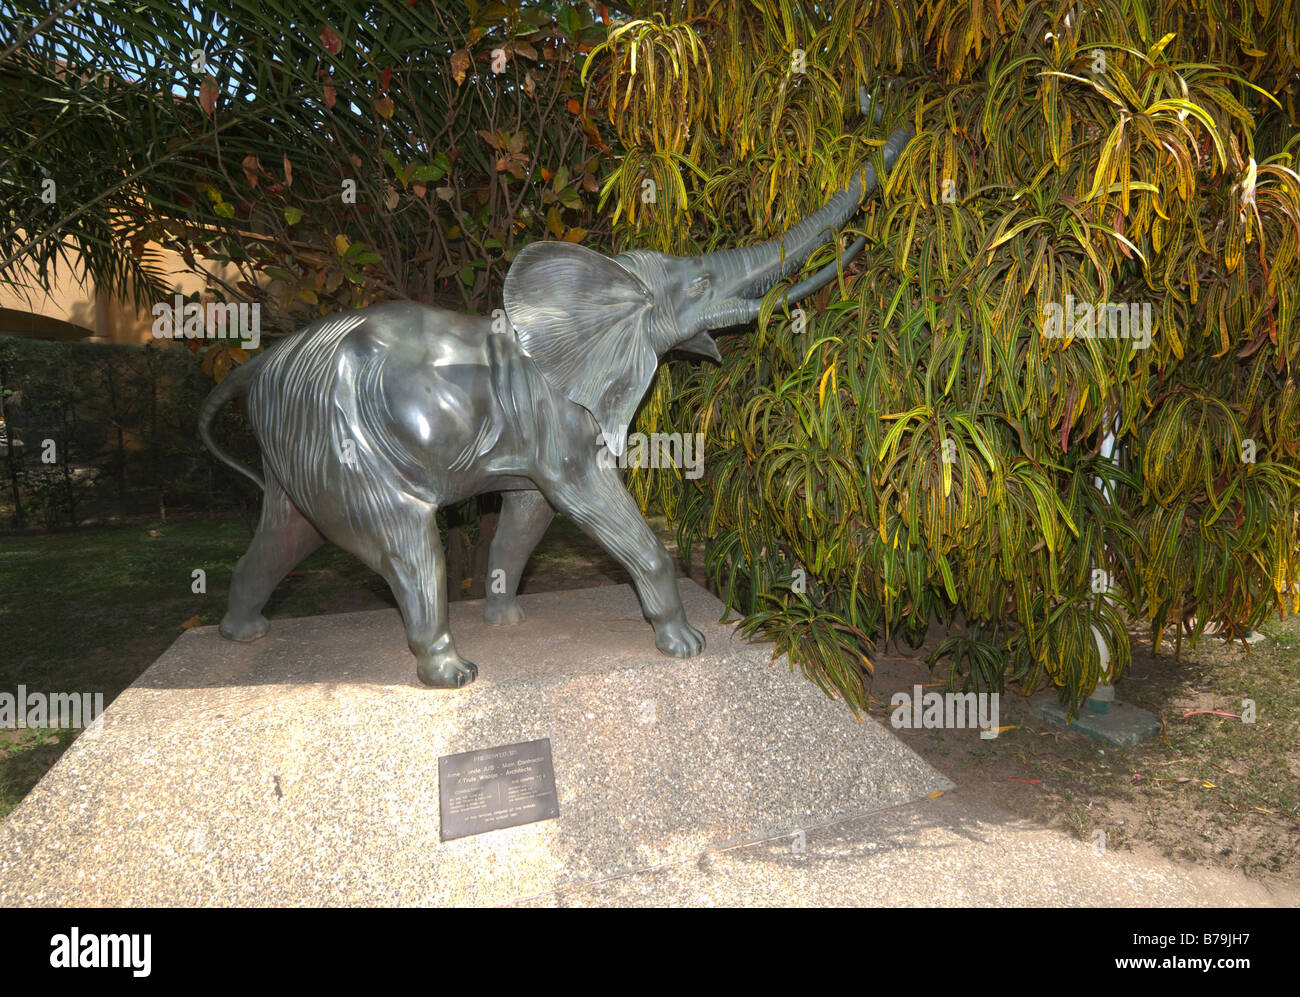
[597,501]
[525,515]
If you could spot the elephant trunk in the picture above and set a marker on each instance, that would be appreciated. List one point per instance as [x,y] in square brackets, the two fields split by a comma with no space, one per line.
[754,270]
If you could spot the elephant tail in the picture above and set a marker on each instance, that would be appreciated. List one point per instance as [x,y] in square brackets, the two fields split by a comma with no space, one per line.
[234,385]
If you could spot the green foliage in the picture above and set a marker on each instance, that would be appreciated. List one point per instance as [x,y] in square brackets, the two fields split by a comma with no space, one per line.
[921,449]
[308,156]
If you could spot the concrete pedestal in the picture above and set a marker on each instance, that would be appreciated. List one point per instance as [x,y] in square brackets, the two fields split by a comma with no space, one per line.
[302,769]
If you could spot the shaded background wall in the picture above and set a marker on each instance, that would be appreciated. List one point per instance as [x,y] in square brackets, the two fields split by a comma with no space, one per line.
[97,418]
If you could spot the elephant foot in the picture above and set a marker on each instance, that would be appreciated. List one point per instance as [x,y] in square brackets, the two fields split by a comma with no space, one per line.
[445,671]
[679,639]
[503,614]
[243,630]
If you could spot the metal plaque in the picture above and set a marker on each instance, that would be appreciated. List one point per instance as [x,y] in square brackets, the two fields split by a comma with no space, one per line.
[496,787]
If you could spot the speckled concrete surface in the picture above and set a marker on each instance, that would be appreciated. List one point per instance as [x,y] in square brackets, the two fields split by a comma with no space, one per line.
[302,769]
[954,851]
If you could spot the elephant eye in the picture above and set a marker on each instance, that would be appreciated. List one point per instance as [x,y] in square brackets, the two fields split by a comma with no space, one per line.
[698,286]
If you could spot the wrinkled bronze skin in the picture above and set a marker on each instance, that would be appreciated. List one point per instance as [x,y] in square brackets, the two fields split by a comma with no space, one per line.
[370,421]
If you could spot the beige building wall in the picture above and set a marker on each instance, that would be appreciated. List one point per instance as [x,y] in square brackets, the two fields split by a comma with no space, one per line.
[73,309]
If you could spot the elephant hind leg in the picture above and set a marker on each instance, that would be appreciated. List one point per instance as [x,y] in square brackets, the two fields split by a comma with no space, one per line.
[284,537]
[525,515]
[409,555]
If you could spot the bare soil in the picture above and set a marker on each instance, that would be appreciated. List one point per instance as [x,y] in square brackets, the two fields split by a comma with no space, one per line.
[1208,790]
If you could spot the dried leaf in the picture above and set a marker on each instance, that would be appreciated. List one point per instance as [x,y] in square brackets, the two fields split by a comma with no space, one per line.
[251,169]
[208,95]
[459,65]
[333,44]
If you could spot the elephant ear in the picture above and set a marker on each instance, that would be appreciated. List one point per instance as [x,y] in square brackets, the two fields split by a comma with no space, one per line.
[584,319]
